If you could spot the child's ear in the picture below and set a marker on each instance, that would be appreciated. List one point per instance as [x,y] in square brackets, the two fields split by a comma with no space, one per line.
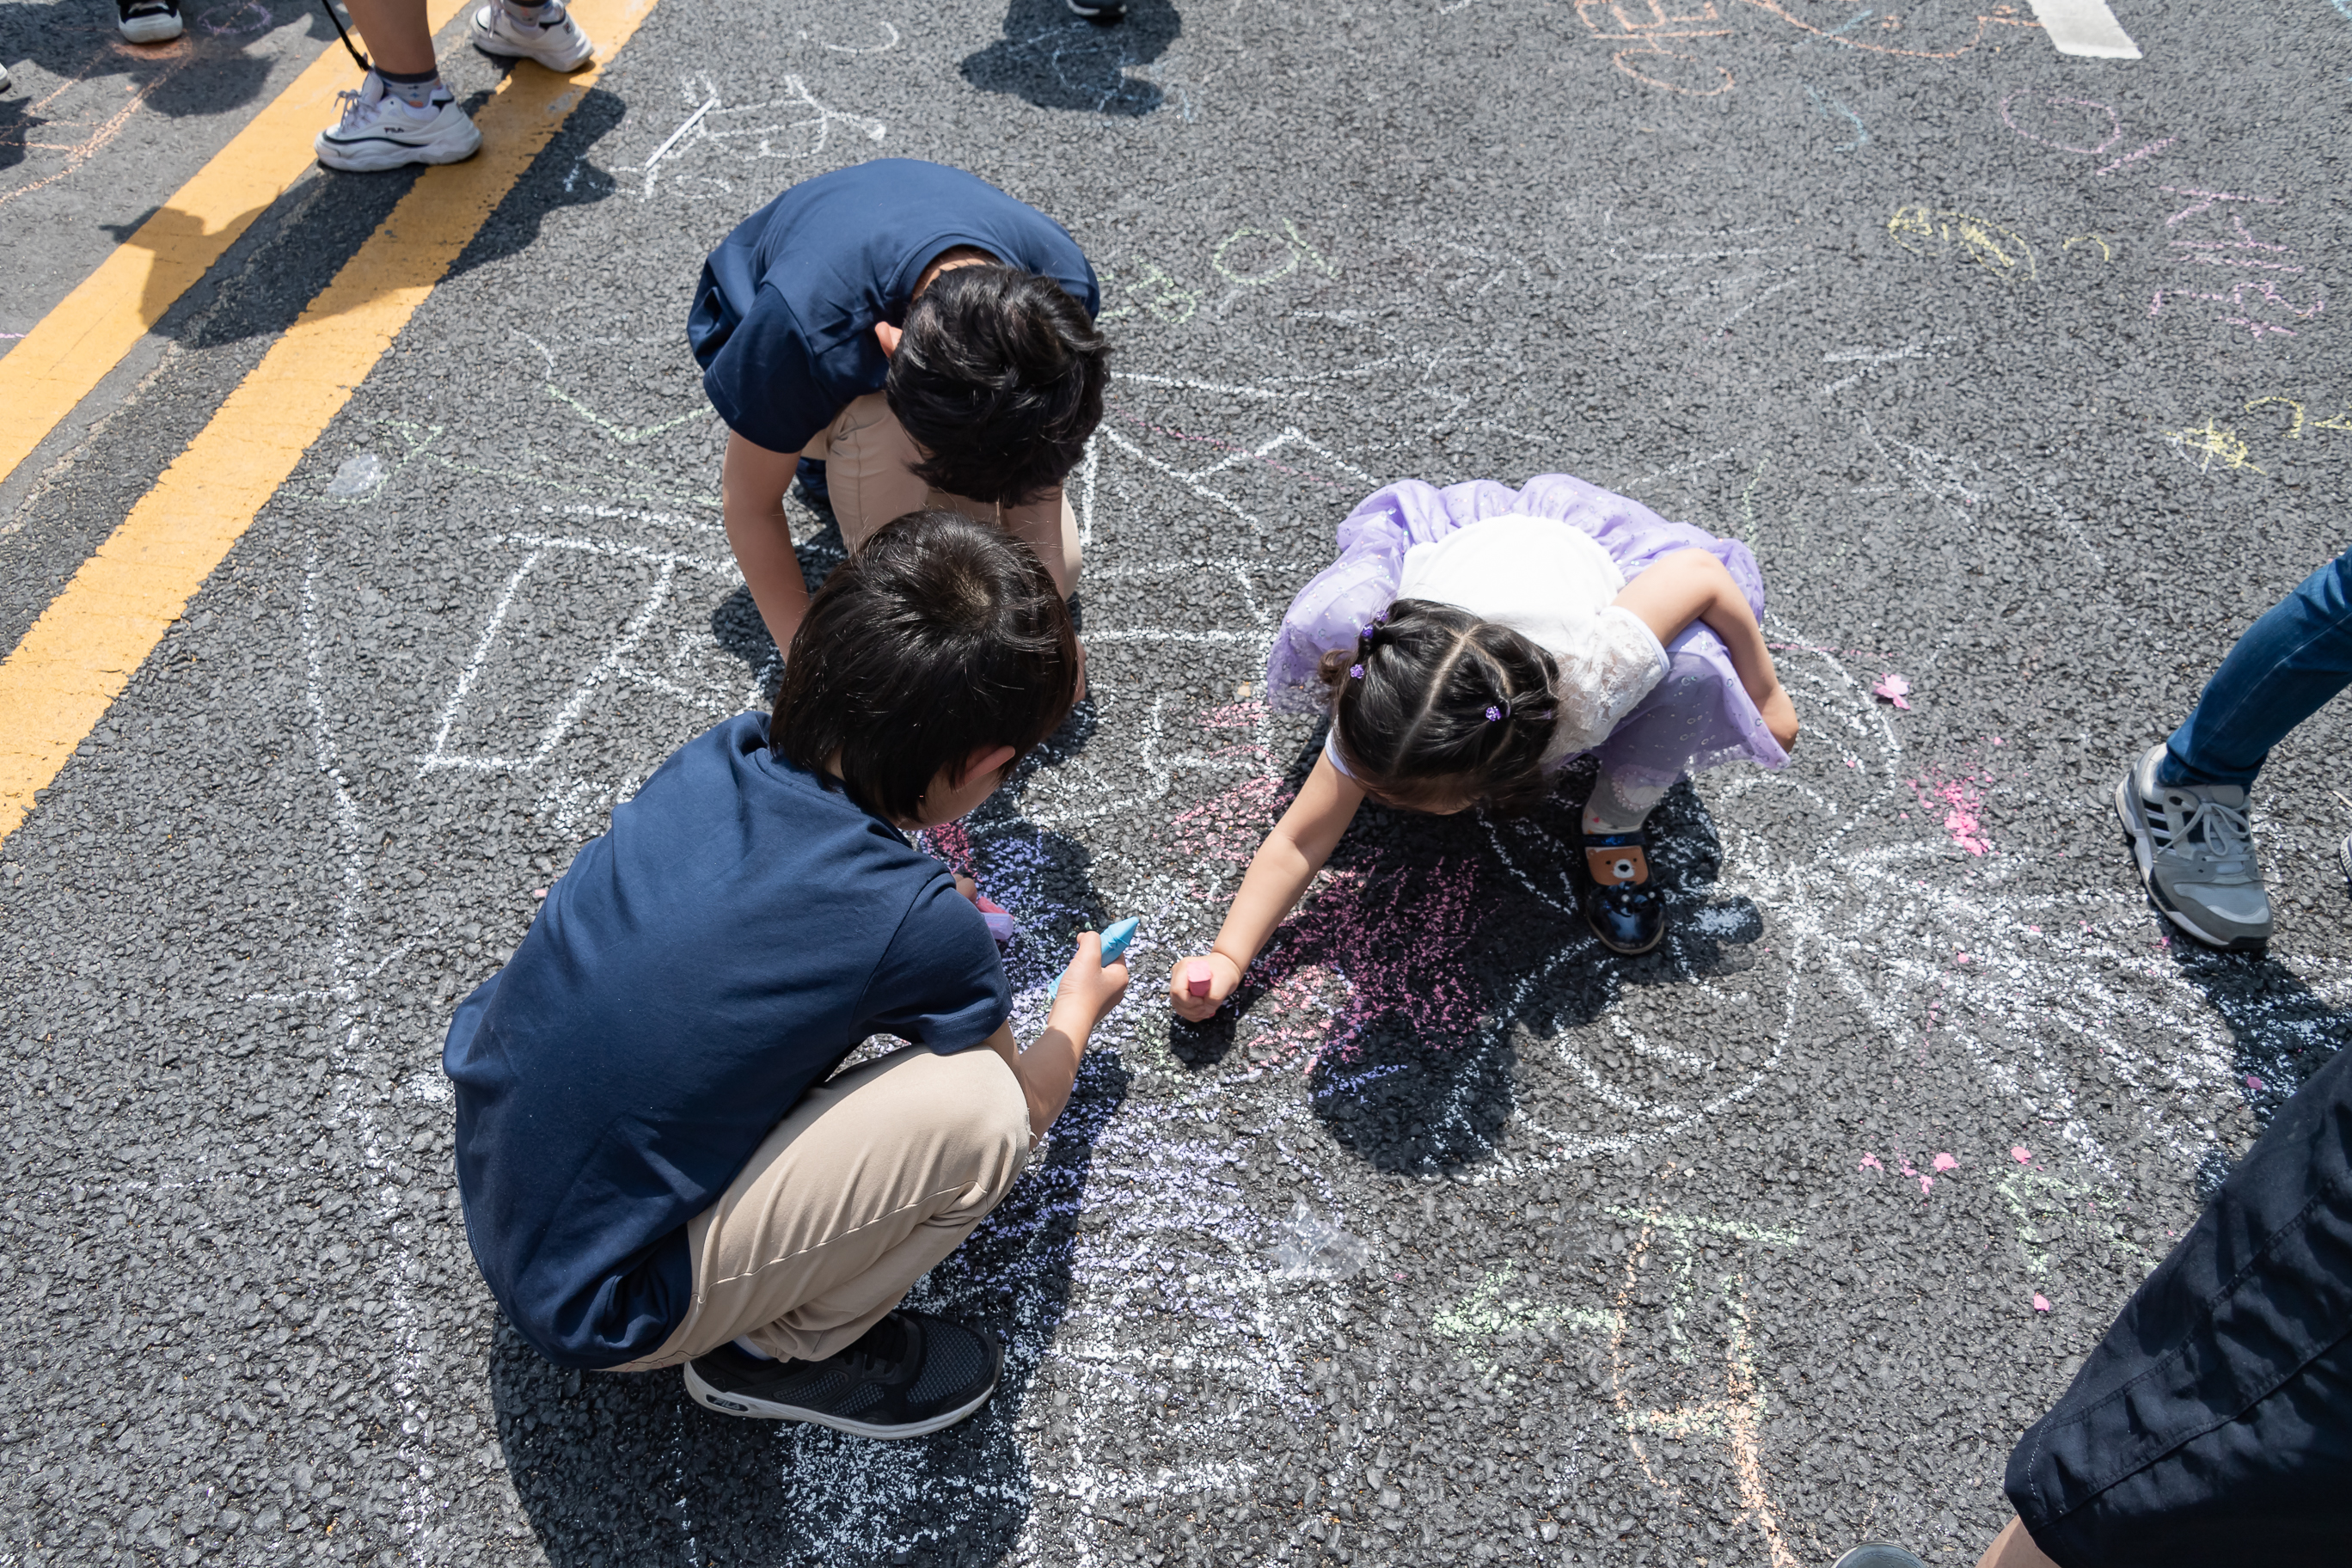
[984,760]
[888,336]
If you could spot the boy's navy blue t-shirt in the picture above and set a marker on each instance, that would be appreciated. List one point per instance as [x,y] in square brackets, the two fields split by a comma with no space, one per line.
[738,932]
[784,319]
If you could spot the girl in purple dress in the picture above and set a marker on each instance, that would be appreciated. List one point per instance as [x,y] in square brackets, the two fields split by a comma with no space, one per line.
[1468,643]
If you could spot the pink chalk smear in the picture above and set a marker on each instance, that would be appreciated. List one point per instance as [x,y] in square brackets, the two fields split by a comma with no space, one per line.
[2018,1152]
[2041,1302]
[1870,1162]
[1962,808]
[2253,1083]
[1946,1162]
[1894,688]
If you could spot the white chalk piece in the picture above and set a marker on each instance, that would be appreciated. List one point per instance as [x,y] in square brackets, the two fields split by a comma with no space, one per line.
[2084,27]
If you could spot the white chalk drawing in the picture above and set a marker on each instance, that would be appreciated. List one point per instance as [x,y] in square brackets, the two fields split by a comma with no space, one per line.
[702,155]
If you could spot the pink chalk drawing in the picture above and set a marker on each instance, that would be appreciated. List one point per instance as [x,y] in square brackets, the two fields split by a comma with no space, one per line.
[2041,1302]
[1894,688]
[1373,944]
[1962,803]
[1927,1182]
[1870,1162]
[2021,1154]
[1946,1162]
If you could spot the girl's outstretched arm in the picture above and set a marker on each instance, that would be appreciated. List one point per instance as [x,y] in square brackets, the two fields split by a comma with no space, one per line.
[1278,873]
[1693,586]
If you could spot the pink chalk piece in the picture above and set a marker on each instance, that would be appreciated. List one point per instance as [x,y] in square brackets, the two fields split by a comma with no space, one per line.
[1870,1162]
[1946,1162]
[2021,1154]
[1197,976]
[1963,957]
[1926,1183]
[2041,1302]
[1894,688]
[1996,740]
[2253,1083]
[2035,930]
[539,892]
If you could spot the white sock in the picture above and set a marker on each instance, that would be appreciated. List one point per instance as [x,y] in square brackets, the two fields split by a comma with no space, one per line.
[748,1349]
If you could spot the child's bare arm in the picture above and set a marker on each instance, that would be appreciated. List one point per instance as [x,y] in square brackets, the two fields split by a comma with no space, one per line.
[1278,873]
[1090,989]
[1693,586]
[752,485]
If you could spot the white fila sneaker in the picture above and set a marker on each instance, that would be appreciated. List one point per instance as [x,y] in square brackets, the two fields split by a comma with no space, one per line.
[380,131]
[559,45]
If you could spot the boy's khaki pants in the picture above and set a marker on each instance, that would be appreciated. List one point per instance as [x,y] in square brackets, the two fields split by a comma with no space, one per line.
[869,460]
[877,1174]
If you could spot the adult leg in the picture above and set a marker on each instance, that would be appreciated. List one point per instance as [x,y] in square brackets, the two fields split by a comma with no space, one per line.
[2289,663]
[401,113]
[2207,1425]
[875,1176]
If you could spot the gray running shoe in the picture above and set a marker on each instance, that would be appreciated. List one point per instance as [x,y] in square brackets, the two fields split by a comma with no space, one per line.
[2196,853]
[908,1374]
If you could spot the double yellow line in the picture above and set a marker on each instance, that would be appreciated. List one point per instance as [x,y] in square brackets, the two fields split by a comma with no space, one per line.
[77,658]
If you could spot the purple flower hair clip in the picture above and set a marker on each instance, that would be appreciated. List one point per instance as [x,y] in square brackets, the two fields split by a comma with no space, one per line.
[1355,672]
[1494,715]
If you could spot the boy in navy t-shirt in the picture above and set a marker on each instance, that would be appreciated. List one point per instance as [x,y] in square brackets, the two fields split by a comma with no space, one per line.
[657,1163]
[906,335]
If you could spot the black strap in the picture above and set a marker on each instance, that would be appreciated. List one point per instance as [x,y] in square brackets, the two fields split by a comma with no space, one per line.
[337,18]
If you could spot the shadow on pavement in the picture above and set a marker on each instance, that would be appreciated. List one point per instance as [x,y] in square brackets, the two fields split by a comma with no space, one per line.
[2281,1033]
[1431,944]
[1056,59]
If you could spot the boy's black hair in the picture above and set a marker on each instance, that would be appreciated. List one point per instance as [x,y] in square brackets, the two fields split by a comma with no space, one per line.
[941,637]
[999,377]
[1434,706]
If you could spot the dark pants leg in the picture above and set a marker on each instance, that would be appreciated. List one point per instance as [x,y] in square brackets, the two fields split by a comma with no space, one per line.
[2213,1424]
[2282,671]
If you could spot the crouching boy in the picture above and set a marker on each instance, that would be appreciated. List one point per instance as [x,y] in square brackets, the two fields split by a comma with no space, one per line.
[657,1168]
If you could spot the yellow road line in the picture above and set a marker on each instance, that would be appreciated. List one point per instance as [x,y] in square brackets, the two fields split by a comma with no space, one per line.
[83,651]
[56,365]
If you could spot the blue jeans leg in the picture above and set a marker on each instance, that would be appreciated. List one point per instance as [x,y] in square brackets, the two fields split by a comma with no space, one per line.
[2283,672]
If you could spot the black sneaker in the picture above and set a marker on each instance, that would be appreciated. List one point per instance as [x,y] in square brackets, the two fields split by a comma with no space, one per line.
[1626,912]
[908,1374]
[1103,11]
[814,490]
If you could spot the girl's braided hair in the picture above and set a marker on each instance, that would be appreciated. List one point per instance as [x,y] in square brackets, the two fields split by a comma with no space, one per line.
[1434,706]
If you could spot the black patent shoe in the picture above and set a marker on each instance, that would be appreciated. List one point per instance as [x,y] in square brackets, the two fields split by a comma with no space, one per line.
[908,1374]
[1624,910]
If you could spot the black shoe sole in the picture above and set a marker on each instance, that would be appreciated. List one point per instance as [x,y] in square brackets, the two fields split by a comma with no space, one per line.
[743,1405]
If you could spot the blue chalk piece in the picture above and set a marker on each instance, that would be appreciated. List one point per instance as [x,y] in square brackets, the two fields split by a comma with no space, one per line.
[1115,938]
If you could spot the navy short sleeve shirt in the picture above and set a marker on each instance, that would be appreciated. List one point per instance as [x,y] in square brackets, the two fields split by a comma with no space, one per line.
[783,320]
[739,930]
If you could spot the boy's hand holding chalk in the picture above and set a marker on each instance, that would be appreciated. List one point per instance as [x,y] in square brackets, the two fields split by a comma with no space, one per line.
[1095,974]
[1197,986]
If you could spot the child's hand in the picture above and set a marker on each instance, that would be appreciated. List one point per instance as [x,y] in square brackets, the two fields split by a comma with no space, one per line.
[1779,716]
[1089,985]
[967,887]
[1222,978]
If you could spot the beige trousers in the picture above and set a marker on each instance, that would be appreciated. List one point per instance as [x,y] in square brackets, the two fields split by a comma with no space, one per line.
[869,460]
[877,1174]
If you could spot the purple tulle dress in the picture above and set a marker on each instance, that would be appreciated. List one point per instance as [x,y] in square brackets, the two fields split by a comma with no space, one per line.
[1697,717]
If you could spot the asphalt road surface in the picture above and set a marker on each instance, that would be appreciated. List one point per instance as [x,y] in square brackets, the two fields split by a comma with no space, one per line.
[2013,368]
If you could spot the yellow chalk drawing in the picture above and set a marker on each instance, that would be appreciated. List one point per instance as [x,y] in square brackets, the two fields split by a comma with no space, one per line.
[2104,254]
[2216,443]
[1293,245]
[1484,1314]
[1938,231]
[1736,1416]
[1153,291]
[2294,431]
[2038,1198]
